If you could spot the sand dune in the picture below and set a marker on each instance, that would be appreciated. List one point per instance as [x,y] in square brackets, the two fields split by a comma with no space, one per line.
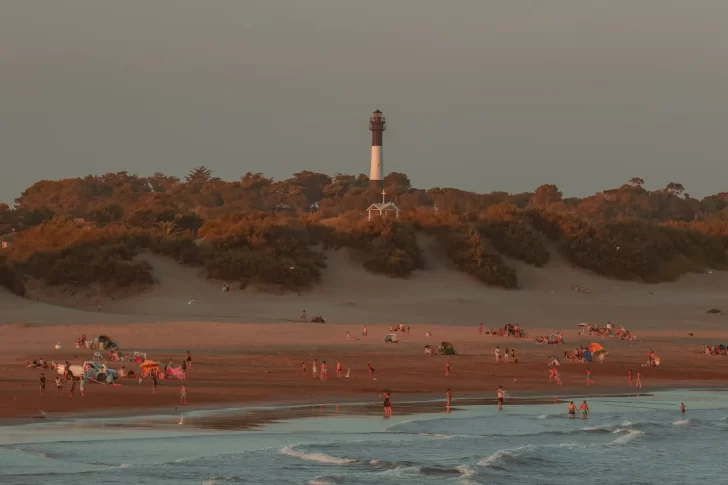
[438,294]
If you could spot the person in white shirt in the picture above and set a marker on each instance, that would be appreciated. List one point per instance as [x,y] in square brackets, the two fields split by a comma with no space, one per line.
[497,355]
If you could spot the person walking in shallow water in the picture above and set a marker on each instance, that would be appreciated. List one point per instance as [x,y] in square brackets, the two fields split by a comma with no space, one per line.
[638,384]
[584,408]
[447,369]
[501,396]
[682,407]
[183,395]
[629,377]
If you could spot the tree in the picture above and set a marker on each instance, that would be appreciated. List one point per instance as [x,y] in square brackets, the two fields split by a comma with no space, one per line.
[199,176]
[544,196]
[675,188]
[637,182]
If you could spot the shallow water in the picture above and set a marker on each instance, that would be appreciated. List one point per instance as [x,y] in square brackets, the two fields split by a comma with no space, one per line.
[639,440]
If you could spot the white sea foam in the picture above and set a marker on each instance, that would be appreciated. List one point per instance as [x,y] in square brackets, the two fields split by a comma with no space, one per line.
[627,437]
[466,470]
[603,429]
[318,457]
[681,421]
[499,457]
[626,423]
[436,435]
[543,416]
[316,481]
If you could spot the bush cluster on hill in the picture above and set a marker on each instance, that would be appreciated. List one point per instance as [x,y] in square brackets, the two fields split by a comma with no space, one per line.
[260,230]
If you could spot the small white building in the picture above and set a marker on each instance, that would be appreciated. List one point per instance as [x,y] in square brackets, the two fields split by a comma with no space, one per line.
[384,209]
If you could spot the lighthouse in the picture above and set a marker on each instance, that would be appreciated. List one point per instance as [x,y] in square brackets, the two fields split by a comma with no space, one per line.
[377,126]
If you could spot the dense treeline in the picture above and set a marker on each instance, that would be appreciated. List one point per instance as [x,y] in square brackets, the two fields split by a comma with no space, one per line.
[257,230]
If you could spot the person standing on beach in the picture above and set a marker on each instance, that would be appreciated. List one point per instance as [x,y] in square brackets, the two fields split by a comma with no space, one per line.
[629,377]
[497,355]
[183,395]
[42,383]
[506,355]
[557,376]
[338,368]
[371,371]
[154,382]
[589,380]
[324,371]
[447,369]
[82,386]
[501,395]
[480,330]
[638,384]
[572,410]
[584,408]
[448,400]
[313,368]
[303,368]
[365,332]
[682,407]
[59,385]
[71,387]
[188,359]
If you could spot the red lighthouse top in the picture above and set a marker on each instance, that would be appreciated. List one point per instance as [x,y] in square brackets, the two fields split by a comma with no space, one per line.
[377,121]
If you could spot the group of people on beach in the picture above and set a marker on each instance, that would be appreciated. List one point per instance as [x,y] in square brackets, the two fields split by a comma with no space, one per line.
[324,370]
[508,330]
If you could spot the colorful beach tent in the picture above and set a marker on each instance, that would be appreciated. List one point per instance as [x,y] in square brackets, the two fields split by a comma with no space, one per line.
[148,366]
[593,347]
[587,355]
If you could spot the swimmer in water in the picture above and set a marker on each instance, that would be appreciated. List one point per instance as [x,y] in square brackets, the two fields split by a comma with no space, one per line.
[682,408]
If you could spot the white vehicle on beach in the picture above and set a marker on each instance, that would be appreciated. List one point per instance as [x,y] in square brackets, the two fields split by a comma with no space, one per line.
[94,370]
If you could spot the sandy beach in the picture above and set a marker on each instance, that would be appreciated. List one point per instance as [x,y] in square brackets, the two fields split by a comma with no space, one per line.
[247,346]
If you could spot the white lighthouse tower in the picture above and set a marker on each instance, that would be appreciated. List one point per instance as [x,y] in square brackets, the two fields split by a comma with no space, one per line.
[377,126]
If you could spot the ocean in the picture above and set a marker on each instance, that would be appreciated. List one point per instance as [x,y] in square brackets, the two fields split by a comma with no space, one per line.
[632,440]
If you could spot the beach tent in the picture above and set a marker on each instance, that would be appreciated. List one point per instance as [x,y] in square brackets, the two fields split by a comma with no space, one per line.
[148,366]
[107,342]
[587,356]
[594,347]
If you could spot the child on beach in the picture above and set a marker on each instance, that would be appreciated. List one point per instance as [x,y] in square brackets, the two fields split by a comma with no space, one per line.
[447,369]
[629,377]
[324,371]
[183,395]
[303,368]
[338,368]
[638,384]
[584,408]
[589,380]
[42,383]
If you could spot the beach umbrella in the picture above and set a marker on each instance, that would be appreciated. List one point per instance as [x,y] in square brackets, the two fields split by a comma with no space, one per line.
[555,360]
[582,324]
[600,354]
[594,347]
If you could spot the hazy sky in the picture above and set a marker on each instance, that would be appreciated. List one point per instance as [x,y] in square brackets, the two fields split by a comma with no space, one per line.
[480,95]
